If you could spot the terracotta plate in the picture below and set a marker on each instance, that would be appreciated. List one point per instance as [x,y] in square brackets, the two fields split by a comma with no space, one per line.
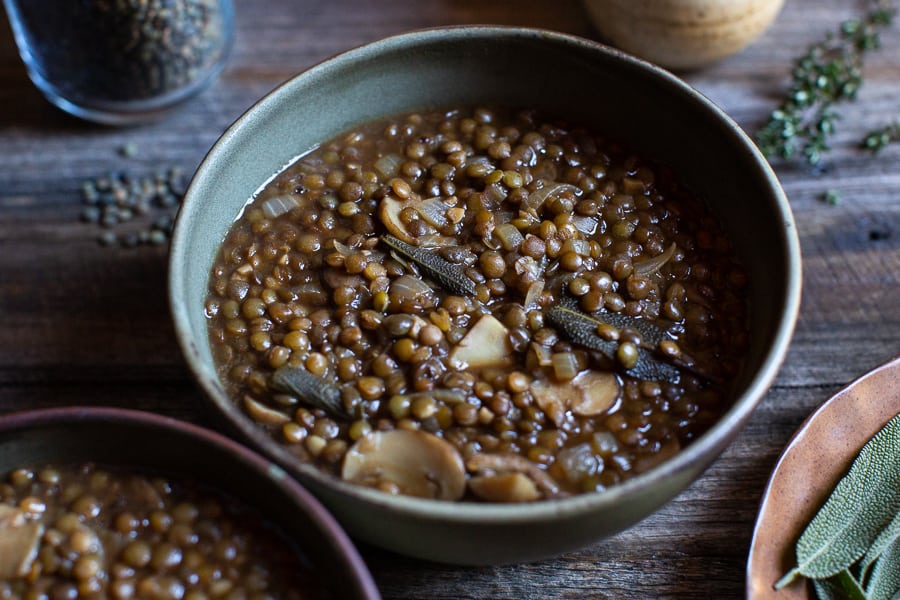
[813,462]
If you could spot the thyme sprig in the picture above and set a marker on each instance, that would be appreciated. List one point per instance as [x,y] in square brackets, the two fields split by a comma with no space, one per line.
[830,72]
[876,140]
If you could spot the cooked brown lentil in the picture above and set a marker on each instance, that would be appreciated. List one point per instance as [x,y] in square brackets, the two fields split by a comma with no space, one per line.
[524,213]
[88,532]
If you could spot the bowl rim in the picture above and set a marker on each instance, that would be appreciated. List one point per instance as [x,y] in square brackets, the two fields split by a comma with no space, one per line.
[703,450]
[350,560]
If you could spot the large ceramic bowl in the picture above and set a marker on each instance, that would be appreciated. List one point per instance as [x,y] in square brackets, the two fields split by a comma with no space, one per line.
[659,115]
[151,443]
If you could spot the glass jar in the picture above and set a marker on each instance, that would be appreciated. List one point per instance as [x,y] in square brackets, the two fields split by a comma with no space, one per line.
[121,61]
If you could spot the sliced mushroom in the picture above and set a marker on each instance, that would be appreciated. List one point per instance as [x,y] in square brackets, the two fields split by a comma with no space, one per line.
[485,345]
[490,464]
[595,392]
[589,394]
[263,414]
[504,487]
[415,463]
[19,544]
[389,212]
[11,516]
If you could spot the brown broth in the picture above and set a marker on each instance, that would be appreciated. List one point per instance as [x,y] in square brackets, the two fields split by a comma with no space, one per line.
[532,213]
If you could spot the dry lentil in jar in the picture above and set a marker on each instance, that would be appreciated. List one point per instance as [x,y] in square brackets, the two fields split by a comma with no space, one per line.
[87,532]
[478,304]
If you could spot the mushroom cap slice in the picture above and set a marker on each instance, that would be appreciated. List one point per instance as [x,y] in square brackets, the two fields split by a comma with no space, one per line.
[389,213]
[415,463]
[19,543]
[504,487]
[485,345]
[264,414]
[589,394]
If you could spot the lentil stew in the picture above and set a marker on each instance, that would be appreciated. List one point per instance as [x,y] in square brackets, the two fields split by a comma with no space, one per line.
[481,304]
[90,532]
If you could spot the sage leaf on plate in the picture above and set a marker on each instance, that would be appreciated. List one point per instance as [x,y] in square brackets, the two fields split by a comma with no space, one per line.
[860,507]
[890,535]
[842,586]
[885,581]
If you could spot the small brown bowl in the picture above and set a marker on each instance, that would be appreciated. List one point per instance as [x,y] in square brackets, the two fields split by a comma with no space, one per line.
[147,442]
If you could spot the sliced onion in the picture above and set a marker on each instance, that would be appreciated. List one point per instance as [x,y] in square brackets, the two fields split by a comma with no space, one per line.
[433,211]
[580,247]
[565,365]
[342,249]
[542,354]
[435,240]
[586,225]
[649,266]
[388,165]
[537,198]
[527,265]
[510,236]
[503,216]
[278,205]
[494,193]
[534,294]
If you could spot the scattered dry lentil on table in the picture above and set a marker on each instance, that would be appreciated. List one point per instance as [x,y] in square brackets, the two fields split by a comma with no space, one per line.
[312,282]
[88,532]
[133,210]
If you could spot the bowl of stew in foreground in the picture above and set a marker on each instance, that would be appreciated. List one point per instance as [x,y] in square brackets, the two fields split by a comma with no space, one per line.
[112,503]
[490,293]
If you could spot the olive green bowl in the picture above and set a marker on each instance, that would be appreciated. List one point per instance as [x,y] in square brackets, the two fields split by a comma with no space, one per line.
[657,114]
[145,442]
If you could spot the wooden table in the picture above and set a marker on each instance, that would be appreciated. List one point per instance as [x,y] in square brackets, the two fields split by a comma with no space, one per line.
[85,324]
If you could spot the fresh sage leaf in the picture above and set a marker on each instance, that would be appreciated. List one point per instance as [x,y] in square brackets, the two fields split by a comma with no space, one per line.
[885,581]
[842,586]
[890,535]
[862,504]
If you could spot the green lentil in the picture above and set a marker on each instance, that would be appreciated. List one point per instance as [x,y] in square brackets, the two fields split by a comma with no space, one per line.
[589,213]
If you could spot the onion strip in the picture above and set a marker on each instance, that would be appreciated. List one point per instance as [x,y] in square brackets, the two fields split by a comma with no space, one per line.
[538,197]
[650,266]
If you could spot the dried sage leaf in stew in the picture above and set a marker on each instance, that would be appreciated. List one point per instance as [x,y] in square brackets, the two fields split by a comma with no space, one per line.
[862,504]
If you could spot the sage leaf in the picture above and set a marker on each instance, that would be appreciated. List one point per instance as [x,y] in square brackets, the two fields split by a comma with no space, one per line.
[890,535]
[842,586]
[864,501]
[885,581]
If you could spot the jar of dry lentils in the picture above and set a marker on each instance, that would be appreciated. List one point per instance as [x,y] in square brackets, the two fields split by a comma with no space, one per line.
[121,61]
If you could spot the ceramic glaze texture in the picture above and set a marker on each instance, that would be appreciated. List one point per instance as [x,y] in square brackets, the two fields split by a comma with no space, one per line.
[682,34]
[515,67]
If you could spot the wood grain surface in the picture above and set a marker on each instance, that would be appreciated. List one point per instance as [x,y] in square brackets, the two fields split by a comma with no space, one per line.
[85,324]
